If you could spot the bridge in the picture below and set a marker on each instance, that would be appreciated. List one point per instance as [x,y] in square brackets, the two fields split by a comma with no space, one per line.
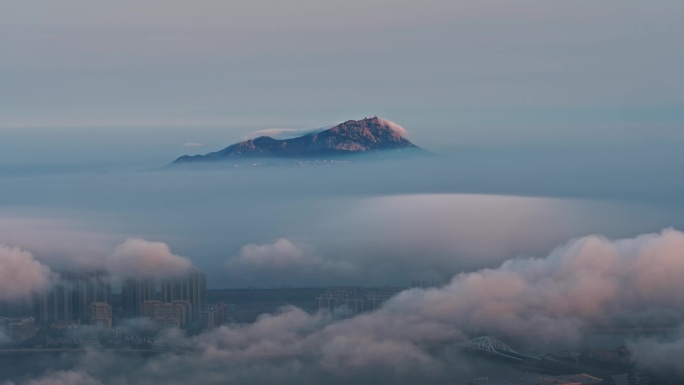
[492,346]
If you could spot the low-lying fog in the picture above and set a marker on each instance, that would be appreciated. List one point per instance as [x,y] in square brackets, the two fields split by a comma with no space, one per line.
[72,200]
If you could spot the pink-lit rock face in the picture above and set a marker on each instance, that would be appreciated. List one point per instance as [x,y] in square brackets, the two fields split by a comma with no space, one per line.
[369,135]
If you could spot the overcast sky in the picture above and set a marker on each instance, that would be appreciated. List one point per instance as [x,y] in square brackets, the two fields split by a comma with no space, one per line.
[476,70]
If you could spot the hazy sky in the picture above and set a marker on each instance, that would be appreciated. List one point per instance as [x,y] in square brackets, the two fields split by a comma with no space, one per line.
[472,70]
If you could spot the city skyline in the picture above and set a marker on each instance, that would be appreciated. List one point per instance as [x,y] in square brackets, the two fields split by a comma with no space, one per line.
[85,298]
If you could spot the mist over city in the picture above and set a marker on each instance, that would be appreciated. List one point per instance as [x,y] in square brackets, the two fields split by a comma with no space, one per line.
[359,192]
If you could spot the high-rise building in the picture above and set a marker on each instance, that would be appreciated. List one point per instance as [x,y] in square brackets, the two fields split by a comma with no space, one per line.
[88,288]
[70,297]
[186,314]
[192,288]
[101,314]
[134,293]
[217,315]
[56,305]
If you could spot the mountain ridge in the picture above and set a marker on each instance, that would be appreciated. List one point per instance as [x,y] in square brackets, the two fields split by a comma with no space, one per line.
[353,137]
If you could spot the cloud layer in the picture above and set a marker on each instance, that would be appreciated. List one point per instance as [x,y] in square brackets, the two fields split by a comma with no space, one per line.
[283,133]
[587,283]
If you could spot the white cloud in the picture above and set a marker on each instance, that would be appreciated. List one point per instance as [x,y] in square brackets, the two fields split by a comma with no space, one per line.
[284,260]
[21,275]
[138,258]
[399,130]
[283,133]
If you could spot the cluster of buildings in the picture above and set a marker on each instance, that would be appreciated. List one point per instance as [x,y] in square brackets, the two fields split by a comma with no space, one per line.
[179,302]
[86,298]
[17,330]
[353,300]
[168,315]
[69,300]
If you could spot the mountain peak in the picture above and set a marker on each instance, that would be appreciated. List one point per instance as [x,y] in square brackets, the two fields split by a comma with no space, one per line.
[365,136]
[375,125]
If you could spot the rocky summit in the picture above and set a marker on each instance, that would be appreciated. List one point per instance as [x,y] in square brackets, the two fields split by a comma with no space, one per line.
[353,137]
